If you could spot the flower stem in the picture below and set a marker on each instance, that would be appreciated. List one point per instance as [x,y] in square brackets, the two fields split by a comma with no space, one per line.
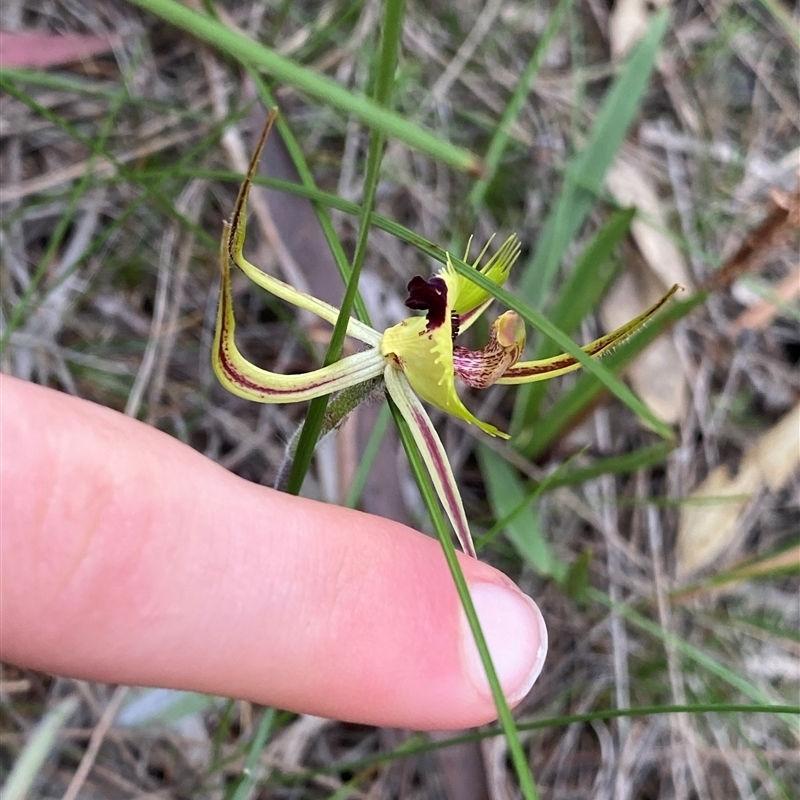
[338,409]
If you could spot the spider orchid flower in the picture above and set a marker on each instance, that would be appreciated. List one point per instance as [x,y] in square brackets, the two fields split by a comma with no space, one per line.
[417,358]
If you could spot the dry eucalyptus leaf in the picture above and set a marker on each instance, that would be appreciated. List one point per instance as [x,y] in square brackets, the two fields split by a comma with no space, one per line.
[656,375]
[650,228]
[760,313]
[629,21]
[709,530]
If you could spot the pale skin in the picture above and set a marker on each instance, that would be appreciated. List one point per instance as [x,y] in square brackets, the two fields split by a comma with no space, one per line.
[127,557]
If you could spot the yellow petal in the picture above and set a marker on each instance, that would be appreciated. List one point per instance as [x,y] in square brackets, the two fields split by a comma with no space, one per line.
[424,352]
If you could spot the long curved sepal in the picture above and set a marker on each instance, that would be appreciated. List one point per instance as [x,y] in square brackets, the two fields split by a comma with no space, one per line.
[433,454]
[244,379]
[234,235]
[530,371]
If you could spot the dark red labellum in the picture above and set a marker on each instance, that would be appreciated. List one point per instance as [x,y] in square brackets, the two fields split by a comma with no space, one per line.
[430,296]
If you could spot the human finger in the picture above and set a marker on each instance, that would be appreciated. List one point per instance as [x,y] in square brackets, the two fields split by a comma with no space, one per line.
[127,557]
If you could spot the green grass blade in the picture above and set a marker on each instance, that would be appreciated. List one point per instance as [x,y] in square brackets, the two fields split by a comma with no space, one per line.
[320,197]
[499,141]
[507,722]
[391,32]
[644,458]
[309,189]
[580,294]
[37,750]
[576,400]
[249,773]
[590,277]
[775,564]
[584,174]
[22,308]
[155,185]
[64,82]
[248,52]
[414,748]
[691,652]
[507,497]
[626,463]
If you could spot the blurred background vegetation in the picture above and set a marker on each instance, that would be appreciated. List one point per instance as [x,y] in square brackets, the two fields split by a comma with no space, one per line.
[630,147]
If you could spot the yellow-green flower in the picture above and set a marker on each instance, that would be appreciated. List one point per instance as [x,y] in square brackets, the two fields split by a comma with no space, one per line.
[418,357]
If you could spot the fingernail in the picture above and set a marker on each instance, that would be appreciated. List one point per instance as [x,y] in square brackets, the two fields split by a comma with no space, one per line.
[515,634]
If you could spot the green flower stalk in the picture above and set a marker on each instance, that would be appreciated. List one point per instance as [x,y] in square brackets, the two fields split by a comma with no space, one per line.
[417,358]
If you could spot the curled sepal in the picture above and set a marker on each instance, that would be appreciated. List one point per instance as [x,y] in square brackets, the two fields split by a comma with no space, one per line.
[530,371]
[246,380]
[433,454]
[422,347]
[234,236]
[471,301]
